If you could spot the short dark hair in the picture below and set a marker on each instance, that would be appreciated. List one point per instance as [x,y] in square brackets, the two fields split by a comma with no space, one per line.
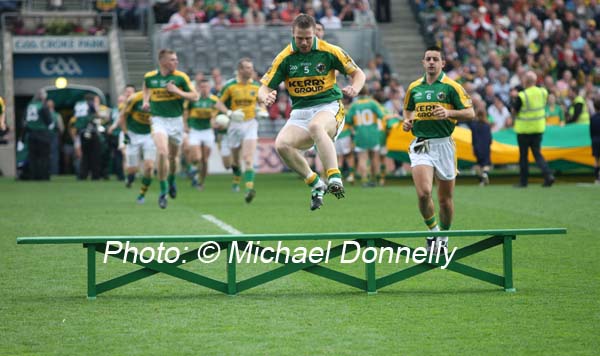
[165,52]
[304,21]
[130,86]
[436,49]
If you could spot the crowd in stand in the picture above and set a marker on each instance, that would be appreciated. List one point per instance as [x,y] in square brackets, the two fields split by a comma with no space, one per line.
[489,45]
[333,14]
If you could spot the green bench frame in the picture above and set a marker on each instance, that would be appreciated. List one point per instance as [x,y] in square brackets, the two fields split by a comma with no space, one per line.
[232,286]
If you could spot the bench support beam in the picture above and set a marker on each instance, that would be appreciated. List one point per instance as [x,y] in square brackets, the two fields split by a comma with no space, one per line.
[370,284]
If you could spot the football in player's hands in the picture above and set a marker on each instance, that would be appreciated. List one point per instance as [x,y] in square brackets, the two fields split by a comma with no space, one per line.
[222,120]
[237,115]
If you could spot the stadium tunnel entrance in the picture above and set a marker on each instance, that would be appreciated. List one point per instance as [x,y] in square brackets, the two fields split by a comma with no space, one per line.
[64,101]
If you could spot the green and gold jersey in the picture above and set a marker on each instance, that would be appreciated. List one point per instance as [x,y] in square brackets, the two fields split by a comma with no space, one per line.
[201,111]
[365,116]
[163,103]
[1,106]
[387,124]
[345,131]
[236,95]
[309,77]
[422,98]
[138,120]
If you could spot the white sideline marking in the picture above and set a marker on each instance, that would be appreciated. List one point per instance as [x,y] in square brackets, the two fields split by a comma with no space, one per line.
[587,185]
[222,225]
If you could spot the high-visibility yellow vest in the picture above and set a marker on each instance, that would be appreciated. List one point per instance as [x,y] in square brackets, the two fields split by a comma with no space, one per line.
[531,118]
[584,117]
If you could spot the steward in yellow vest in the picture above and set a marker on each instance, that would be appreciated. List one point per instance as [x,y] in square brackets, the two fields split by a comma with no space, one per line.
[578,110]
[530,123]
[531,117]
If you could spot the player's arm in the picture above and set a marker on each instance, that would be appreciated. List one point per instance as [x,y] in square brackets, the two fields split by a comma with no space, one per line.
[3,121]
[186,115]
[465,114]
[190,95]
[407,124]
[357,81]
[235,115]
[146,98]
[114,125]
[122,122]
[266,95]
[460,99]
[222,108]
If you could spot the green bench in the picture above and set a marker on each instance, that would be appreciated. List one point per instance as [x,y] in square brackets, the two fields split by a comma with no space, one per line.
[366,242]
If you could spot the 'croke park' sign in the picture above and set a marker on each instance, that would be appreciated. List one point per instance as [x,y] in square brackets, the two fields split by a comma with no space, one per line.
[59,44]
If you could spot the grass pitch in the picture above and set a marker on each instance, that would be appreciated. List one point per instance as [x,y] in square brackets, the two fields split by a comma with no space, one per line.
[43,308]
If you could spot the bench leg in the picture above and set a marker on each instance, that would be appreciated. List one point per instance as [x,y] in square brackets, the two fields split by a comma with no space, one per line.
[231,270]
[507,257]
[91,272]
[370,269]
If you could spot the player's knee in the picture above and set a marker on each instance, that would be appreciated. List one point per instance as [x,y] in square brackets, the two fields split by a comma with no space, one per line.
[424,195]
[282,146]
[148,170]
[162,153]
[445,202]
[315,129]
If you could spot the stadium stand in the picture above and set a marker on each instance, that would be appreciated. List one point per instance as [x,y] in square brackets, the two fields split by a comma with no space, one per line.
[552,39]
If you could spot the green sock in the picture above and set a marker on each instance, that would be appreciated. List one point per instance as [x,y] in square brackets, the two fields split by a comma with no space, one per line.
[171,179]
[249,179]
[237,174]
[444,226]
[163,187]
[145,184]
[431,223]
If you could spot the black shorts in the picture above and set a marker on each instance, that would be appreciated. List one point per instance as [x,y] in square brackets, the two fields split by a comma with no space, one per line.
[482,154]
[596,149]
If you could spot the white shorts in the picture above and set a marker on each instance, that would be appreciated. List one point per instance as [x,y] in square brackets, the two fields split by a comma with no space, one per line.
[302,117]
[374,149]
[441,156]
[343,146]
[240,131]
[139,144]
[225,149]
[171,126]
[201,138]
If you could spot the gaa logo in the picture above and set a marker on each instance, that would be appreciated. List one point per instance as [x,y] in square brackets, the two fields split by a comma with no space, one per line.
[60,66]
[321,68]
[441,96]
